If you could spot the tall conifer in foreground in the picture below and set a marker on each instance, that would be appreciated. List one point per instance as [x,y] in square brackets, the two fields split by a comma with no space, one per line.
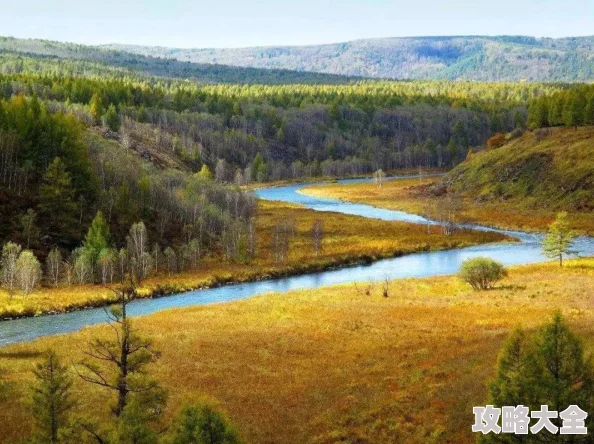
[52,400]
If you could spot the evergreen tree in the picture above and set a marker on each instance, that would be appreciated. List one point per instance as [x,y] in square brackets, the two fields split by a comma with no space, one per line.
[112,119]
[98,238]
[573,111]
[52,400]
[57,203]
[549,369]
[96,108]
[30,229]
[205,173]
[557,242]
[203,425]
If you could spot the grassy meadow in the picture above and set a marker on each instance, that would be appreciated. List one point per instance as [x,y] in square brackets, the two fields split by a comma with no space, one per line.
[348,240]
[334,364]
[411,195]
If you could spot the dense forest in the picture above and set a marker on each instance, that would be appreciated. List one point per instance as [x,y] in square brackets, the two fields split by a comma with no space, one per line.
[271,132]
[482,58]
[571,107]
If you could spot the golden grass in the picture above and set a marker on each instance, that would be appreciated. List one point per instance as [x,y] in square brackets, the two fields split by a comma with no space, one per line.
[349,239]
[409,195]
[334,365]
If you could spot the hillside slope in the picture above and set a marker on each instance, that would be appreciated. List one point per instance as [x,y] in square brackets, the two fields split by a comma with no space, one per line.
[552,169]
[138,64]
[483,58]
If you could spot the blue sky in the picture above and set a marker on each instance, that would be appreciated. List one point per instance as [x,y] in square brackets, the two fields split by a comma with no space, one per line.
[238,23]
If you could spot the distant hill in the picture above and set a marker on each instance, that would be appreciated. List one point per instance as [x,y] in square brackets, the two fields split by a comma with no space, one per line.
[512,58]
[163,67]
[552,168]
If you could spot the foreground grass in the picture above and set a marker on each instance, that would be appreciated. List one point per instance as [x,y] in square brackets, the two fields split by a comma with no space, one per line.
[333,364]
[411,195]
[348,240]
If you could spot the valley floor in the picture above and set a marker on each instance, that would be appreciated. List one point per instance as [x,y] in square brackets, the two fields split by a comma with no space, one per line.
[334,364]
[411,196]
[347,240]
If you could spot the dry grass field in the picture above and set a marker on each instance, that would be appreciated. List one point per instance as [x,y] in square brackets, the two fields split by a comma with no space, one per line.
[348,239]
[336,365]
[409,195]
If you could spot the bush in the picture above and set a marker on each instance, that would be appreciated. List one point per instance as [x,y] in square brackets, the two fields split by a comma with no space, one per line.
[496,141]
[482,272]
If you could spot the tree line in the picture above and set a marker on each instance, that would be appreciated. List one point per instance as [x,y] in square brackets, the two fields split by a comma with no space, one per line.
[300,130]
[571,107]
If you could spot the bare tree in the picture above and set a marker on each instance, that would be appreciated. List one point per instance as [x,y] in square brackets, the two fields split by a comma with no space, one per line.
[251,239]
[448,208]
[138,245]
[379,176]
[53,266]
[317,236]
[284,232]
[171,259]
[8,269]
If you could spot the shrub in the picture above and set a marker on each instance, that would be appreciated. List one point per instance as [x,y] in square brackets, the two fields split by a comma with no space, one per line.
[482,272]
[496,141]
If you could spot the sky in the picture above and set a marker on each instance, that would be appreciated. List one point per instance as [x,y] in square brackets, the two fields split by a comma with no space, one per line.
[241,23]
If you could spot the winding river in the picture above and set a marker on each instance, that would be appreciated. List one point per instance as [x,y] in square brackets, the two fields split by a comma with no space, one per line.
[414,265]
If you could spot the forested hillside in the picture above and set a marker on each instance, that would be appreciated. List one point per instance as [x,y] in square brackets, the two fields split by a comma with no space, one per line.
[511,58]
[94,60]
[259,132]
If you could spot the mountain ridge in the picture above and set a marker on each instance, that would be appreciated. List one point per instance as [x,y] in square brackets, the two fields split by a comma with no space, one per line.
[485,58]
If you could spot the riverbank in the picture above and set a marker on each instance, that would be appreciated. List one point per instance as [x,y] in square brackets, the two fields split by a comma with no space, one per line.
[411,195]
[348,240]
[334,363]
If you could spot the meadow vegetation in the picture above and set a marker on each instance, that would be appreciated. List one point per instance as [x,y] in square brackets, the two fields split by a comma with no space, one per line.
[334,364]
[520,185]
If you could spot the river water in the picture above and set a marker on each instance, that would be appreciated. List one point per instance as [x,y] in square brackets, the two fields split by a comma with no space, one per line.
[414,265]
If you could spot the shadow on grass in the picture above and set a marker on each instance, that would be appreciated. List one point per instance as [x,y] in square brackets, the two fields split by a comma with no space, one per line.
[23,354]
[509,287]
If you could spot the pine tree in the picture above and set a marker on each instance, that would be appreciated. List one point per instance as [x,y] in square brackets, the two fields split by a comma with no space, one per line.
[98,238]
[119,364]
[204,425]
[52,400]
[557,242]
[548,369]
[112,119]
[558,372]
[96,106]
[57,203]
[507,389]
[205,173]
